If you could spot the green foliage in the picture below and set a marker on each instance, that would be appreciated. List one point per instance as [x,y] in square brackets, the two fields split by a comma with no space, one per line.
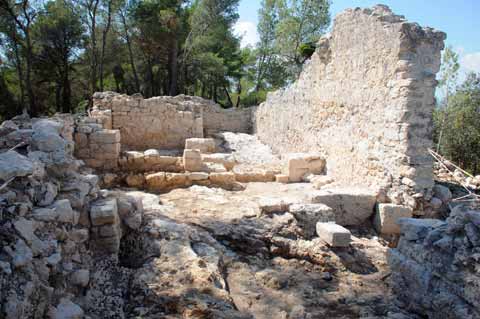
[288,31]
[307,49]
[56,53]
[459,121]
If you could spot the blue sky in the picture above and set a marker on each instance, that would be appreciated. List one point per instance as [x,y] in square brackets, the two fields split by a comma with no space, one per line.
[460,19]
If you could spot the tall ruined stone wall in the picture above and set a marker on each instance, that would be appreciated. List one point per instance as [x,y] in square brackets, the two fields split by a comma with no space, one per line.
[365,99]
[165,122]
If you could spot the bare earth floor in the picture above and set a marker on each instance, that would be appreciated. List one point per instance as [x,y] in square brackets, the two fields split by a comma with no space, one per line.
[211,253]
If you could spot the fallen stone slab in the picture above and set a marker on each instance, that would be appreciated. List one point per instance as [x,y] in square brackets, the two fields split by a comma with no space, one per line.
[333,234]
[352,206]
[387,216]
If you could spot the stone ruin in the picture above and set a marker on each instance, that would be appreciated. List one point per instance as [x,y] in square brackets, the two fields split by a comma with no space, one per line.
[319,203]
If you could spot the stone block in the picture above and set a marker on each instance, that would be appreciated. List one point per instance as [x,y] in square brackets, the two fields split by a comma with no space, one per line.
[308,215]
[204,145]
[156,181]
[104,212]
[105,137]
[281,178]
[387,216]
[192,160]
[333,234]
[352,206]
[301,164]
[261,176]
[443,193]
[222,179]
[13,164]
[109,231]
[415,229]
[81,140]
[227,160]
[176,180]
[135,180]
[198,176]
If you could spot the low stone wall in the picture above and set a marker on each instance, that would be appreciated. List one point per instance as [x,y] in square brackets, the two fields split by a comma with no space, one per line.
[365,99]
[217,119]
[435,267]
[165,122]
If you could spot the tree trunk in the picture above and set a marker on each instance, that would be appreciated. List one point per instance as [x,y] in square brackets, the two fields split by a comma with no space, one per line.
[94,62]
[30,94]
[104,43]
[58,96]
[18,66]
[173,68]
[67,92]
[230,102]
[130,52]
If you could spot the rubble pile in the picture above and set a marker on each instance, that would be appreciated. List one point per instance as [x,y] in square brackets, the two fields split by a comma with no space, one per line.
[56,226]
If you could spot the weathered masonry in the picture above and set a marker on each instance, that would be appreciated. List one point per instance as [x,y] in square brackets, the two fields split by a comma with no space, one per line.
[365,99]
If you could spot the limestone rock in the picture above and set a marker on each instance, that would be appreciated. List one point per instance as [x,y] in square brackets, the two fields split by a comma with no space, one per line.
[192,160]
[81,277]
[309,215]
[301,164]
[352,206]
[104,212]
[387,216]
[415,229]
[135,180]
[333,234]
[281,178]
[442,192]
[227,160]
[204,145]
[13,164]
[67,310]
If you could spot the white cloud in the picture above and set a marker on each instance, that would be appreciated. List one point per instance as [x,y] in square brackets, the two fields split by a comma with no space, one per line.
[471,62]
[248,31]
